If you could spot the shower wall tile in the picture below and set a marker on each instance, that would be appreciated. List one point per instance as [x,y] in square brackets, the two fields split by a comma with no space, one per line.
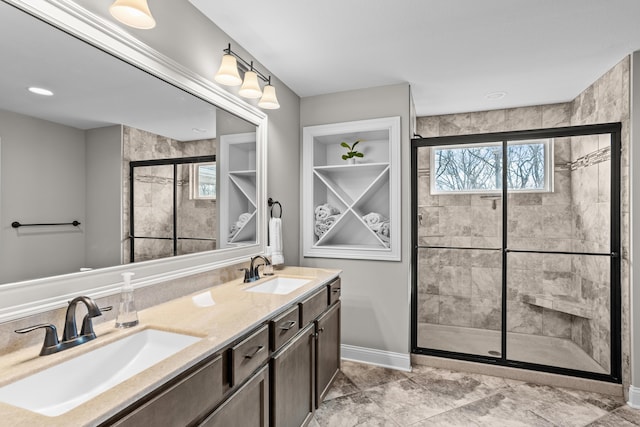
[455,124]
[455,280]
[524,118]
[428,308]
[488,121]
[556,221]
[486,314]
[556,324]
[556,115]
[561,194]
[559,283]
[486,283]
[525,221]
[487,259]
[524,318]
[428,127]
[455,311]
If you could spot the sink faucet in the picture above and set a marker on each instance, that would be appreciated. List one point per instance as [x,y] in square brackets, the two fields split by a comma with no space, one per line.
[70,337]
[70,326]
[252,274]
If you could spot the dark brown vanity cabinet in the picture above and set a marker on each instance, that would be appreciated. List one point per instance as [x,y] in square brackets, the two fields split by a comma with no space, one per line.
[179,404]
[247,407]
[276,375]
[292,381]
[327,351]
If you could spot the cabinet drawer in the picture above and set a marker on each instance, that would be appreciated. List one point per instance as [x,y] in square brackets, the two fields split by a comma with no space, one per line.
[179,405]
[313,307]
[249,354]
[334,291]
[284,327]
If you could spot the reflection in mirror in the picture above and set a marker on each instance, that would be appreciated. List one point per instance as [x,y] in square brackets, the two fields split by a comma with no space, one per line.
[66,157]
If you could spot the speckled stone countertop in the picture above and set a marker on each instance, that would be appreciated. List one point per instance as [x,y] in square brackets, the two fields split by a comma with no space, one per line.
[218,315]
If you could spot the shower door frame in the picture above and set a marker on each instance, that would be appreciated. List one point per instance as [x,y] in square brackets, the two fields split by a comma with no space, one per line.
[173,162]
[614,129]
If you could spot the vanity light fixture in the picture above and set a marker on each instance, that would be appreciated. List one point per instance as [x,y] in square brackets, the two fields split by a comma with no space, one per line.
[40,91]
[228,74]
[134,13]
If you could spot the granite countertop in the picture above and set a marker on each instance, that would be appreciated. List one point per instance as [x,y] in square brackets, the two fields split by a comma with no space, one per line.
[219,315]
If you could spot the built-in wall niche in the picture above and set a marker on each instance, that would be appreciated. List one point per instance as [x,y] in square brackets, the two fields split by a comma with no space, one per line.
[237,189]
[352,209]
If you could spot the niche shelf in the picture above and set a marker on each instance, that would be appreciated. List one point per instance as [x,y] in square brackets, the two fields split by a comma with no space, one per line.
[237,196]
[372,185]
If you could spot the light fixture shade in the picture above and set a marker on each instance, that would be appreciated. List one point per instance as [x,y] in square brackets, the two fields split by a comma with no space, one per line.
[134,13]
[269,101]
[250,86]
[228,72]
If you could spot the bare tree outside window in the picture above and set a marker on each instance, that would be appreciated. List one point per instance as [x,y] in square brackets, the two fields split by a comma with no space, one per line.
[478,168]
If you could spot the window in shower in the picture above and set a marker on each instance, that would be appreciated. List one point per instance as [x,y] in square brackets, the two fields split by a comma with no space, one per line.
[202,181]
[519,266]
[477,168]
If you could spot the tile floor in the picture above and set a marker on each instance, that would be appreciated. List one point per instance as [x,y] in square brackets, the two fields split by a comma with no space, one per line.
[365,395]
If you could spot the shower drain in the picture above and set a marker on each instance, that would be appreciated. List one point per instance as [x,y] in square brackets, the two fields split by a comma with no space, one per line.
[495,353]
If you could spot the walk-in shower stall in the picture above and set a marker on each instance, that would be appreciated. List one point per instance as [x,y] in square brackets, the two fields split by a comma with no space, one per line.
[516,240]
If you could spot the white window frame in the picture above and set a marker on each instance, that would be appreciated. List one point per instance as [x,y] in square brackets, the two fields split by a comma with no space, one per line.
[194,181]
[548,167]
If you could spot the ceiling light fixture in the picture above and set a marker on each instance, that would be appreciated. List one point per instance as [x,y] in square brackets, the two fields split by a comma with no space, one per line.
[229,75]
[134,13]
[40,91]
[495,95]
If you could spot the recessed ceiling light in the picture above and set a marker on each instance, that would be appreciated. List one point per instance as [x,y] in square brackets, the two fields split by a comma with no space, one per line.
[40,91]
[495,95]
[198,130]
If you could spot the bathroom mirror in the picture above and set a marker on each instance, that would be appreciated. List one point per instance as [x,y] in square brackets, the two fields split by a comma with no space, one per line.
[65,157]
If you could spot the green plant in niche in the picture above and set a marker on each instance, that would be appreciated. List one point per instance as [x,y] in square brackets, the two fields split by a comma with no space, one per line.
[351,153]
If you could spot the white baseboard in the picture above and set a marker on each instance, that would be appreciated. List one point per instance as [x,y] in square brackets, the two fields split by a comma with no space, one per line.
[386,359]
[634,397]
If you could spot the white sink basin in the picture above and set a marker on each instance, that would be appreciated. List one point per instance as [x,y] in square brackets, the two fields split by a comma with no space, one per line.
[279,285]
[67,385]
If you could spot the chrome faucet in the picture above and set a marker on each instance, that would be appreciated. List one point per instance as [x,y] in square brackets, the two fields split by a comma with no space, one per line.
[70,337]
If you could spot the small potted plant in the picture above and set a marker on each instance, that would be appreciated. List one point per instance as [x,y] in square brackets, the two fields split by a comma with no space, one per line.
[351,155]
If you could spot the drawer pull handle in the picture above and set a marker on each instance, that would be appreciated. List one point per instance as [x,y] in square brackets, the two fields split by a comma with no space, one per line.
[258,350]
[321,330]
[288,325]
[336,290]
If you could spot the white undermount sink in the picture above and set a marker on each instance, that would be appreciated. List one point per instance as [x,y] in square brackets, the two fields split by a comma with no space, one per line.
[279,285]
[62,387]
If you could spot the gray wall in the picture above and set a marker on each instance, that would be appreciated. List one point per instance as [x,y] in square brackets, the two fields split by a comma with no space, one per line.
[102,228]
[197,44]
[375,294]
[43,180]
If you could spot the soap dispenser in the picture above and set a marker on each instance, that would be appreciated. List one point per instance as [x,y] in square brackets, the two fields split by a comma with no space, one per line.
[127,314]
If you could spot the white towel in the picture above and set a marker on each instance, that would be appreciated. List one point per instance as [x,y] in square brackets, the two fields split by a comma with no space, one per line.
[275,241]
[324,211]
[244,217]
[374,220]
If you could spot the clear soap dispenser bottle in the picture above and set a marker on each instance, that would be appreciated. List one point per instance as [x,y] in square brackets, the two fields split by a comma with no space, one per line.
[127,314]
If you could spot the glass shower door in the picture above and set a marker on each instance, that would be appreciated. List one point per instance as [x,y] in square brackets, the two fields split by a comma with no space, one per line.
[459,256]
[558,253]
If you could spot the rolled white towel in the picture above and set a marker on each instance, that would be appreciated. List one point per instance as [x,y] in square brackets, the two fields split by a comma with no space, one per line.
[322,226]
[325,211]
[374,220]
[244,217]
[384,233]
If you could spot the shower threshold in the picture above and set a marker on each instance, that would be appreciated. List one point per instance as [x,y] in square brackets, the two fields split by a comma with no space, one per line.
[521,347]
